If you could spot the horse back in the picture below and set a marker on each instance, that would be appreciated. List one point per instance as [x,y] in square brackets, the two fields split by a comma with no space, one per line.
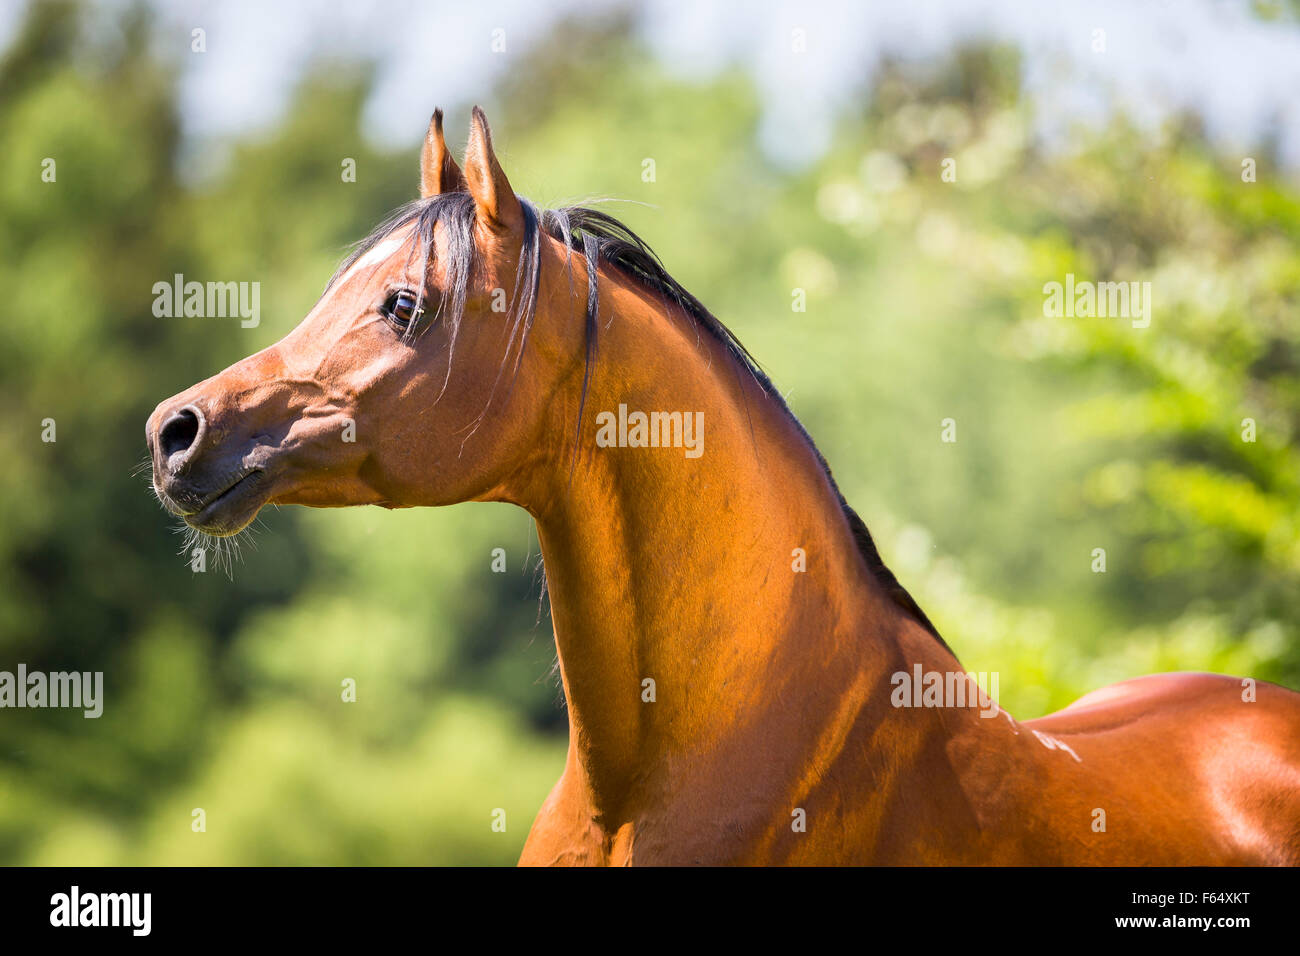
[1184,768]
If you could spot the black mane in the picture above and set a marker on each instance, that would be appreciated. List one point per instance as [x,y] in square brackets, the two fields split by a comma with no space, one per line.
[600,238]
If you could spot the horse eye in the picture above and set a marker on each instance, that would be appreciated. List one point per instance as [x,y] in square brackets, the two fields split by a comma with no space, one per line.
[400,309]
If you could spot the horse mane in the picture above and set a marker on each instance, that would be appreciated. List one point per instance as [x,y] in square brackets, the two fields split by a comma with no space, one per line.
[601,239]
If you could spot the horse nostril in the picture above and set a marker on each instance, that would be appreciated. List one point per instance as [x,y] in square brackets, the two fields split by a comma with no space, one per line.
[178,432]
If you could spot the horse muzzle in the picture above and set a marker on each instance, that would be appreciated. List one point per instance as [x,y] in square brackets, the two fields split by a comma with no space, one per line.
[212,489]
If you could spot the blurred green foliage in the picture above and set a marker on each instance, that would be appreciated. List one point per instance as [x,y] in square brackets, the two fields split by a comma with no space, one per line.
[925,302]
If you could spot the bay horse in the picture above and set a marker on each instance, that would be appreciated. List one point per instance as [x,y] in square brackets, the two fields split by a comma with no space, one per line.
[732,648]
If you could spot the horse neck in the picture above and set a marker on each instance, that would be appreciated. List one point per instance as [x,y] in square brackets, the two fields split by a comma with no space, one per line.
[682,571]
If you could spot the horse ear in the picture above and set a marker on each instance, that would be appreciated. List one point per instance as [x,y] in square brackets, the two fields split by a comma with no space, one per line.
[438,171]
[498,206]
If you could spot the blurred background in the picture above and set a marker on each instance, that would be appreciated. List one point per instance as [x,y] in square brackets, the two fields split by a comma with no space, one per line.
[794,146]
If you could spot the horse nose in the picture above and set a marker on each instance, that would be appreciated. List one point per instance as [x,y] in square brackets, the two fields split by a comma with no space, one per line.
[178,437]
